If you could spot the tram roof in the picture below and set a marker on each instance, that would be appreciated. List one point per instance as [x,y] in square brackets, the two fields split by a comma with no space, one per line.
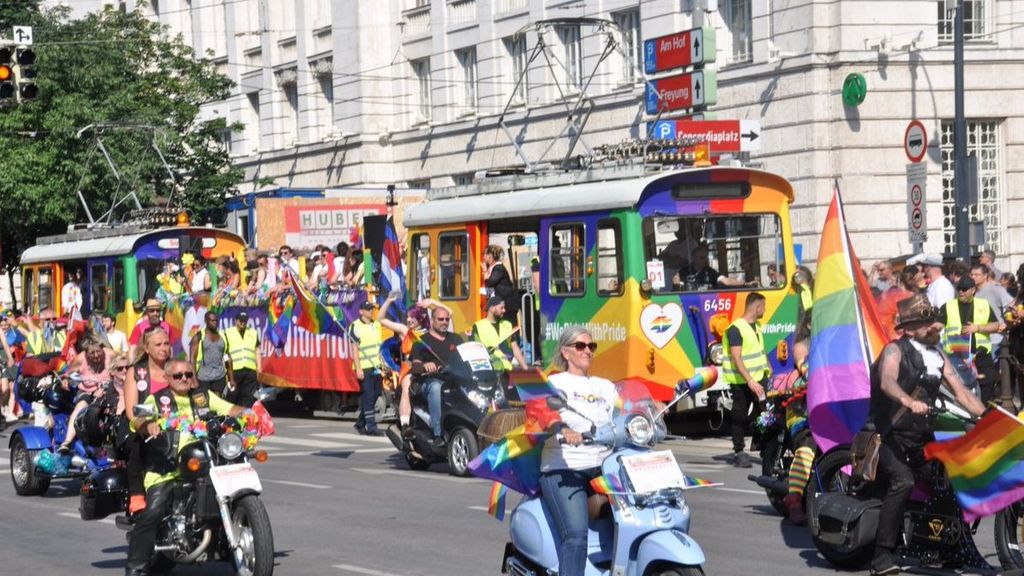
[521,197]
[101,243]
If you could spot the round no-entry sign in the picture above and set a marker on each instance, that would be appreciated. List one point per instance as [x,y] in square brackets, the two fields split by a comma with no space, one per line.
[916,196]
[915,141]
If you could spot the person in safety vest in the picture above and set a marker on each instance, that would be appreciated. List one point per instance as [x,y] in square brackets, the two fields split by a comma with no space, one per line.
[183,398]
[497,334]
[967,322]
[243,347]
[368,335]
[746,370]
[803,285]
[208,353]
[44,337]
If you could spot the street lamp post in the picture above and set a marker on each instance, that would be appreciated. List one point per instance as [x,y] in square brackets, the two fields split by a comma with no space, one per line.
[963,245]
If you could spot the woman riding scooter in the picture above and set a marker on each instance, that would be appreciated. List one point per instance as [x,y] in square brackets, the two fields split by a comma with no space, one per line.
[567,469]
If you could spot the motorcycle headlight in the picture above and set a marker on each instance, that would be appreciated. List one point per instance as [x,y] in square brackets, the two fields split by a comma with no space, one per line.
[477,398]
[230,446]
[639,430]
[716,354]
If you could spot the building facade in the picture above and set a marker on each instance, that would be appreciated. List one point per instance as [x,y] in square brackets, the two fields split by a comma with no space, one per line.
[349,93]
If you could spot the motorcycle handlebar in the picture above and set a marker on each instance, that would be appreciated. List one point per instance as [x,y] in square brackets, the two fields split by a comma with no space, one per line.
[588,439]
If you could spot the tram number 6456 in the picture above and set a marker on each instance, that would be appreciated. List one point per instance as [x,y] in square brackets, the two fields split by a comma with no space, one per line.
[719,305]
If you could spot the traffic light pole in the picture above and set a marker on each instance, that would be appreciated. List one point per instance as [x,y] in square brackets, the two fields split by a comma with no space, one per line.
[963,243]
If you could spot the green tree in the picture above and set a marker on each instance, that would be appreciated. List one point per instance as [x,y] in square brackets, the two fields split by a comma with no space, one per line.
[117,72]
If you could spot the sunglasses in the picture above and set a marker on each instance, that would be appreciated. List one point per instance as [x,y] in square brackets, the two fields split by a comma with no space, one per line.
[182,375]
[442,319]
[151,310]
[118,368]
[581,346]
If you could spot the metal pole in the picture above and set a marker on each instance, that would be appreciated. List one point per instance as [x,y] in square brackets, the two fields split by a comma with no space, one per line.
[1006,377]
[963,247]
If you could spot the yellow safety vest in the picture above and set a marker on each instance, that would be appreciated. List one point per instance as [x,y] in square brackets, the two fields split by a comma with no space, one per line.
[494,339]
[953,341]
[242,349]
[806,298]
[752,352]
[370,337]
[38,345]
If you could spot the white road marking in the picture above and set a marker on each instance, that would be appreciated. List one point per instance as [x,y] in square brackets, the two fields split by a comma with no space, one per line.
[303,426]
[307,442]
[361,570]
[741,491]
[704,467]
[299,484]
[4,461]
[79,517]
[420,475]
[484,509]
[350,436]
[314,452]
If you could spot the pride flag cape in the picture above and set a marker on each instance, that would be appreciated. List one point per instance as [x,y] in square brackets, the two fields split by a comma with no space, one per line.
[392,277]
[846,337]
[515,459]
[311,315]
[986,465]
[531,384]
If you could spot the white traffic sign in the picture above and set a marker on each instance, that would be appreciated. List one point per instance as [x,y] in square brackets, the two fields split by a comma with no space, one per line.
[915,141]
[23,35]
[917,203]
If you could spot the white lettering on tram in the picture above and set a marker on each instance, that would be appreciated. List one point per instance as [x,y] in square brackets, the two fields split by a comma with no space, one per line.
[601,331]
[782,328]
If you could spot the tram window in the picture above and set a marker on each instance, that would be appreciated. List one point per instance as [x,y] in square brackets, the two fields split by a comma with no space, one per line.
[609,258]
[98,288]
[714,253]
[453,265]
[119,289]
[420,265]
[568,274]
[28,292]
[45,288]
[148,285]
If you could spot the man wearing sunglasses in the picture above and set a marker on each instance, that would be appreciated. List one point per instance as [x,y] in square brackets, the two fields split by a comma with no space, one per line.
[183,398]
[439,346]
[905,382]
[152,318]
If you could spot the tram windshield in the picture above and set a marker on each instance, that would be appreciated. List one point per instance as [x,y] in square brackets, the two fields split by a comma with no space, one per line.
[715,253]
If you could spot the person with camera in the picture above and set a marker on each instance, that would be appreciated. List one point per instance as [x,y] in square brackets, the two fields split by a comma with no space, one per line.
[905,383]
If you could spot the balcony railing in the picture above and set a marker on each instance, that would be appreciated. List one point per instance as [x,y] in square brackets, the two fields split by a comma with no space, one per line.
[417,20]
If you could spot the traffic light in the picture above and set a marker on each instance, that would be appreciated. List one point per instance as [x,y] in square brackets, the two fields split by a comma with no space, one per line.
[7,90]
[25,73]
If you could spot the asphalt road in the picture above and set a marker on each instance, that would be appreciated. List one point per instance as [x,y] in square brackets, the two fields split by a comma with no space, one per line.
[347,505]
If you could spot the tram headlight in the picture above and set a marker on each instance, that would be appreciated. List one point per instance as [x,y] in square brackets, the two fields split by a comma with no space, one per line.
[639,430]
[716,354]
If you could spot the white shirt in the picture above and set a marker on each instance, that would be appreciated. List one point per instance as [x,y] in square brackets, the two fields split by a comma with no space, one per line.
[595,399]
[199,280]
[293,264]
[318,271]
[941,291]
[118,341]
[71,299]
[933,359]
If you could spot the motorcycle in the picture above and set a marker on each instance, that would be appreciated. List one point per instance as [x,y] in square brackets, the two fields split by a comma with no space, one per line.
[843,513]
[35,456]
[216,510]
[470,389]
[644,530]
[776,443]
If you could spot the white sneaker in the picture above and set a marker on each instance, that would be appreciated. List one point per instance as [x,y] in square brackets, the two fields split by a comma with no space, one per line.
[9,417]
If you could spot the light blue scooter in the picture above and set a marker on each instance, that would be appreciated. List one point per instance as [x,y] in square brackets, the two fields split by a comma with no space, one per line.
[646,534]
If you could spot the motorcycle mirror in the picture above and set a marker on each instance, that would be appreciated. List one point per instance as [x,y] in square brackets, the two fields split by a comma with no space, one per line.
[143,410]
[557,403]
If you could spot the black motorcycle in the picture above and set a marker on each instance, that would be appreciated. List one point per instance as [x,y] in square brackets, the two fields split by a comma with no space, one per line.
[470,389]
[216,511]
[843,515]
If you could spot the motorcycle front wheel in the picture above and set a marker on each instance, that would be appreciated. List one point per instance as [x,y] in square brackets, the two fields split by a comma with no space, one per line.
[771,467]
[23,470]
[1009,531]
[251,524]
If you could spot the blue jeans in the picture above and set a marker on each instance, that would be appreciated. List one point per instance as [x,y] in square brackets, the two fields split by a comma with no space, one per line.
[565,496]
[432,390]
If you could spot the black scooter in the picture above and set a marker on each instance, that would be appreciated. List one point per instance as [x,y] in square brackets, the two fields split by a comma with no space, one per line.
[470,390]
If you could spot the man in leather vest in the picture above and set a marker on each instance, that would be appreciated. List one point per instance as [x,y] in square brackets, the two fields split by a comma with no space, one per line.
[183,398]
[905,382]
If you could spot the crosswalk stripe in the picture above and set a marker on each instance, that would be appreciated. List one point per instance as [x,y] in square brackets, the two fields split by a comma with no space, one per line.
[306,442]
[78,517]
[421,475]
[350,436]
[299,484]
[361,570]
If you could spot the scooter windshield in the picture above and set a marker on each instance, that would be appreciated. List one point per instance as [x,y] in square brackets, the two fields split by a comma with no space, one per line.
[636,400]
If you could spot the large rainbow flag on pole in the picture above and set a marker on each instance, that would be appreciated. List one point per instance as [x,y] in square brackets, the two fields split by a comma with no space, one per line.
[392,278]
[846,337]
[986,465]
[311,315]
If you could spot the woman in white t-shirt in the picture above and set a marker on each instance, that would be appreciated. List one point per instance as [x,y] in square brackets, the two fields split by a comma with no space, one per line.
[567,469]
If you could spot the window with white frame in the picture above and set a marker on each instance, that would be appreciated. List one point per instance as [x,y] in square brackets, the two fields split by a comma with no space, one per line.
[572,56]
[290,129]
[468,79]
[516,47]
[628,22]
[421,73]
[984,141]
[738,21]
[975,20]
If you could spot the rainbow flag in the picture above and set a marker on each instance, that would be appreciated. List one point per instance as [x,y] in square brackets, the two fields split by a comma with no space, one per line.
[846,337]
[311,315]
[279,320]
[986,465]
[531,384]
[702,380]
[174,315]
[515,459]
[392,278]
[608,484]
[496,503]
[691,482]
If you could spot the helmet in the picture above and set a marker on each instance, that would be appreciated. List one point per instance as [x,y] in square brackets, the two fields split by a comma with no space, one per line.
[91,425]
[58,399]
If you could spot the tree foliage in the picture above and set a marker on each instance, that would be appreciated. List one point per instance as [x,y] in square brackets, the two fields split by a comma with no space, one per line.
[121,74]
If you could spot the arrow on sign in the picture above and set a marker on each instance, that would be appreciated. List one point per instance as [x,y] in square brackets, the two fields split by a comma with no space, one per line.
[696,91]
[750,135]
[696,49]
